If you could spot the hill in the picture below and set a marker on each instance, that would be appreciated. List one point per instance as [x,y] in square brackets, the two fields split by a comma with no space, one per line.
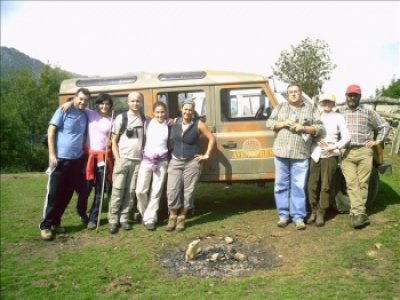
[12,59]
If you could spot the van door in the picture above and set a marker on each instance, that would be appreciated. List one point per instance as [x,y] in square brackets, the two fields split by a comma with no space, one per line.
[244,143]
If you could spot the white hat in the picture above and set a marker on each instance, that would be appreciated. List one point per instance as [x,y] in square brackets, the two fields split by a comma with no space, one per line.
[328,96]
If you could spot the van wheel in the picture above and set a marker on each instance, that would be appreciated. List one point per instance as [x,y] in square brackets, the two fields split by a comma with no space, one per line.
[342,201]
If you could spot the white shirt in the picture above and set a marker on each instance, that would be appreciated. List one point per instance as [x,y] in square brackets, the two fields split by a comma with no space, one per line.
[156,138]
[335,127]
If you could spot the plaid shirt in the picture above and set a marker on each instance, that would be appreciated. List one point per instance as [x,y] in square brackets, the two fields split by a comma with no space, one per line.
[364,124]
[294,145]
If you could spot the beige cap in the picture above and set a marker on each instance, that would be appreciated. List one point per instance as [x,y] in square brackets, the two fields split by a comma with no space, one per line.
[328,96]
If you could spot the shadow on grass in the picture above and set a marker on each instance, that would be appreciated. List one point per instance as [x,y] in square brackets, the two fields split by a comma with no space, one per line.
[215,202]
[386,196]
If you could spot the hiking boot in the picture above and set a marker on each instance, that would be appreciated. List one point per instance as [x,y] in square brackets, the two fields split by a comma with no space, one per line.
[359,221]
[113,228]
[59,229]
[150,226]
[91,226]
[171,223]
[300,225]
[319,222]
[126,226]
[46,234]
[180,223]
[311,218]
[282,223]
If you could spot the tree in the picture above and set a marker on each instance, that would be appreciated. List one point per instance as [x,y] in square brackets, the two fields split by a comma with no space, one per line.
[308,64]
[27,103]
[393,90]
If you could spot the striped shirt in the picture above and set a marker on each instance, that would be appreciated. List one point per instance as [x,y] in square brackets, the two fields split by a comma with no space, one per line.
[364,125]
[289,144]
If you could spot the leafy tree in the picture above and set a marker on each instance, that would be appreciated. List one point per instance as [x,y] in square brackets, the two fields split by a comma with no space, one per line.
[308,63]
[393,90]
[27,104]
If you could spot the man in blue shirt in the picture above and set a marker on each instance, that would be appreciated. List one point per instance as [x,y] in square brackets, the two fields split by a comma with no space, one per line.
[66,137]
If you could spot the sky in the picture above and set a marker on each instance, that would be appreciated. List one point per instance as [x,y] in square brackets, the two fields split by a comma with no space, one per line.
[108,38]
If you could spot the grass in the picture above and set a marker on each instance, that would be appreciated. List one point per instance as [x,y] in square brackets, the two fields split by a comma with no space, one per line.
[333,262]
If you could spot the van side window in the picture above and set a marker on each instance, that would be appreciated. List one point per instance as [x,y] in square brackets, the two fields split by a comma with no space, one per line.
[174,100]
[244,105]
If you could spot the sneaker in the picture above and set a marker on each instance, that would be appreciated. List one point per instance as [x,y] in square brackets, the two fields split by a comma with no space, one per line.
[59,229]
[282,223]
[360,221]
[113,228]
[180,223]
[171,223]
[150,226]
[46,234]
[300,225]
[91,225]
[126,226]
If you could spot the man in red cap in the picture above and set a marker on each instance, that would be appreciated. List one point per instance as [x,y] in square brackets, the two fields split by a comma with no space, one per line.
[367,129]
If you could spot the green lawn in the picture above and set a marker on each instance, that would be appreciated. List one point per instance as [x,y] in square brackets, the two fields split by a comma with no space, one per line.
[332,262]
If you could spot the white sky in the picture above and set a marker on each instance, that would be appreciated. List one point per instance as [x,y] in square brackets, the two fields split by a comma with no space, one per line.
[113,38]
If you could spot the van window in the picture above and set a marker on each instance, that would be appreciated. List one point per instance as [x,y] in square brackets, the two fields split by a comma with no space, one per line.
[244,104]
[174,100]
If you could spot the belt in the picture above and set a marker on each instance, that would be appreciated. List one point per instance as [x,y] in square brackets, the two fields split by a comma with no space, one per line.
[356,147]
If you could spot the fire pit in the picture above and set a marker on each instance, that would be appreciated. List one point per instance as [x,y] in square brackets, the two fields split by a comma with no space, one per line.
[218,257]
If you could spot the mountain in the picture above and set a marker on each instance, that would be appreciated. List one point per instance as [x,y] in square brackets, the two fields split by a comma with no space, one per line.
[12,59]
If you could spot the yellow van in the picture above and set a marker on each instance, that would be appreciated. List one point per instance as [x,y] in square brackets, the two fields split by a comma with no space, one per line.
[235,106]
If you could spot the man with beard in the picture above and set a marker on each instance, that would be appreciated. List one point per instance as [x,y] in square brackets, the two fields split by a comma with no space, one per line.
[367,129]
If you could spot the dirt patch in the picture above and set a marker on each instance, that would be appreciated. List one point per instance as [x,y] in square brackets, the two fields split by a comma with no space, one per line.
[121,284]
[218,257]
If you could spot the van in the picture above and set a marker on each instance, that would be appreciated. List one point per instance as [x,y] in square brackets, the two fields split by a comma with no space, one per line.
[234,105]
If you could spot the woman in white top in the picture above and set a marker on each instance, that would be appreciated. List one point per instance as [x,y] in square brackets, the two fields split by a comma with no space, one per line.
[324,162]
[153,167]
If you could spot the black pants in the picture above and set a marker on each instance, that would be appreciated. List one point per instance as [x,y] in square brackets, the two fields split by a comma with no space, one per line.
[63,180]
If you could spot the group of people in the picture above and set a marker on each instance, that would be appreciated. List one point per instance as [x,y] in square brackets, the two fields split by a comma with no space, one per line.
[135,150]
[142,154]
[307,148]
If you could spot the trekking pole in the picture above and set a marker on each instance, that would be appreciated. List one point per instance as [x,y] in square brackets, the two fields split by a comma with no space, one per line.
[104,174]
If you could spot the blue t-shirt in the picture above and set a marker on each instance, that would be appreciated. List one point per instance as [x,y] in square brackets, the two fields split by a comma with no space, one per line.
[71,127]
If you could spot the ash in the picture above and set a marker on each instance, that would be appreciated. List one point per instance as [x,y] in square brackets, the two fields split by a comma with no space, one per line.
[216,258]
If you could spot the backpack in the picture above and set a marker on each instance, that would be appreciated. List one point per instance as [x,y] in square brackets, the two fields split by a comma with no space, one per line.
[125,122]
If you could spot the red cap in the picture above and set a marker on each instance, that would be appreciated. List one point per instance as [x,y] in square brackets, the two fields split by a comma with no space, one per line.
[353,88]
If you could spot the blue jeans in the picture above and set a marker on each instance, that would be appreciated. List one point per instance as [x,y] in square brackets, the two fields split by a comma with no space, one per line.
[290,183]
